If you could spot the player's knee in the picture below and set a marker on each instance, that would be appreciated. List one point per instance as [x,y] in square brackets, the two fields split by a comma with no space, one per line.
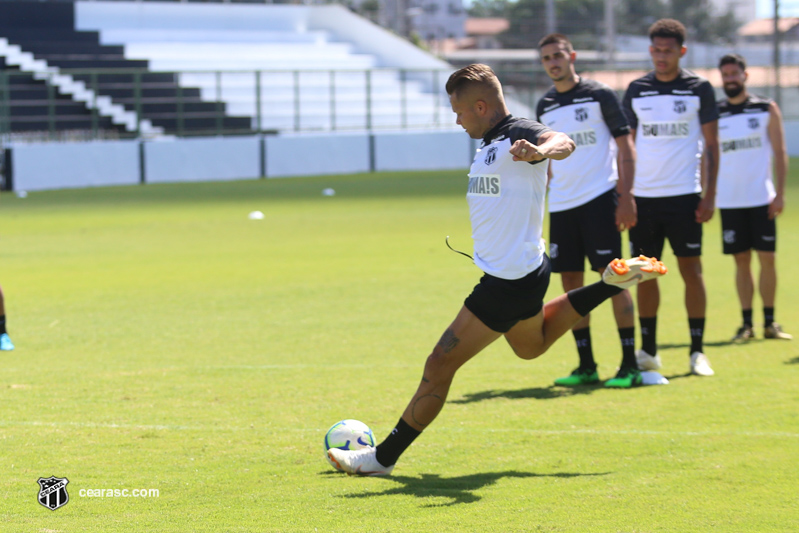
[528,352]
[438,366]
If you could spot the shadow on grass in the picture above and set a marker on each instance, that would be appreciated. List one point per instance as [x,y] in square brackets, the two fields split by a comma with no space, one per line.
[539,393]
[679,376]
[794,361]
[457,489]
[688,345]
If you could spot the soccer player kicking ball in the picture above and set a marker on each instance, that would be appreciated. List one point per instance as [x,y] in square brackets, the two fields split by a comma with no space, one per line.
[507,187]
[590,198]
[751,135]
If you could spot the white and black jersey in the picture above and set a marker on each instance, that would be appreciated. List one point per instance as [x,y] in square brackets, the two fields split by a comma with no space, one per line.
[506,202]
[745,172]
[590,113]
[667,118]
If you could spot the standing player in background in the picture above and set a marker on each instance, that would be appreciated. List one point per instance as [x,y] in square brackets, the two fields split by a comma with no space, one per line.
[5,340]
[751,135]
[590,198]
[672,111]
[506,194]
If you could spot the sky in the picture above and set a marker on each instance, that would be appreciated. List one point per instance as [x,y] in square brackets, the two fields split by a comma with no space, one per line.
[788,8]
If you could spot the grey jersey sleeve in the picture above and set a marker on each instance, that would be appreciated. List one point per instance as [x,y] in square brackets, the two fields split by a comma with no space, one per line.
[527,129]
[708,110]
[627,105]
[612,113]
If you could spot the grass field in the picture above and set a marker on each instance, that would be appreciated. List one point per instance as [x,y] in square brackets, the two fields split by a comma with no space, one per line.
[165,341]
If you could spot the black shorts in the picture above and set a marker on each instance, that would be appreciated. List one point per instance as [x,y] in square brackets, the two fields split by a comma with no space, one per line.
[747,228]
[501,303]
[586,230]
[672,218]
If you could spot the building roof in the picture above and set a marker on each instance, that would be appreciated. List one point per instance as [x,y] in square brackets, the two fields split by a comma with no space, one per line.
[760,27]
[486,25]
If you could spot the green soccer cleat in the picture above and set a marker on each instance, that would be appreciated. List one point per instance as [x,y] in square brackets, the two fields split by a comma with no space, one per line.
[626,378]
[774,331]
[579,377]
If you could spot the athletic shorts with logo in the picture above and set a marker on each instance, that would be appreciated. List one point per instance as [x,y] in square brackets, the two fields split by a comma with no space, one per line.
[669,217]
[589,231]
[501,303]
[747,228]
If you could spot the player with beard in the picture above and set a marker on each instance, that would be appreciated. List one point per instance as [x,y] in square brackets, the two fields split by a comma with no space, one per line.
[752,148]
[590,198]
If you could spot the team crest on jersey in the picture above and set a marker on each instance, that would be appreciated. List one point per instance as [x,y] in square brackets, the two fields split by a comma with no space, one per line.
[754,123]
[729,236]
[581,114]
[553,250]
[680,106]
[491,156]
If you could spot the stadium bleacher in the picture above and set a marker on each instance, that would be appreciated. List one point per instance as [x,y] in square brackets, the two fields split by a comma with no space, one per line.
[309,78]
[33,102]
[177,68]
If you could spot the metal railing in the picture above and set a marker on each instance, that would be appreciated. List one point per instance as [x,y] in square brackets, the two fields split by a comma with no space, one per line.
[240,102]
[227,102]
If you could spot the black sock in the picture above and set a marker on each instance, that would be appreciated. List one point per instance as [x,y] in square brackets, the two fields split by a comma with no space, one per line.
[747,313]
[3,324]
[397,442]
[585,299]
[648,334]
[627,336]
[768,315]
[583,339]
[697,326]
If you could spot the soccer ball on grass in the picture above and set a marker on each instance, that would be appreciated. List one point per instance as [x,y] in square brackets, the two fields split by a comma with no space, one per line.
[348,435]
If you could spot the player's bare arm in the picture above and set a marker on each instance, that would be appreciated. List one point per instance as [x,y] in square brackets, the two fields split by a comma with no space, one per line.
[776,134]
[552,145]
[626,211]
[710,165]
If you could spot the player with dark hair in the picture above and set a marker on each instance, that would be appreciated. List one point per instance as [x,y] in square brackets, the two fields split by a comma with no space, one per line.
[5,340]
[752,149]
[590,197]
[506,194]
[673,114]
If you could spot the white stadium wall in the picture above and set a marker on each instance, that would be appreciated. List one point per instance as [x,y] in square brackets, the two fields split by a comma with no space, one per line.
[432,151]
[39,166]
[67,165]
[202,159]
[314,155]
[792,137]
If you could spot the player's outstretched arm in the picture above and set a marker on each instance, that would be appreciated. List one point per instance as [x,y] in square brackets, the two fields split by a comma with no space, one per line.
[551,145]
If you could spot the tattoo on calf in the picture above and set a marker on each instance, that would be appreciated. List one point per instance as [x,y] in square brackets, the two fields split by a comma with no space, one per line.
[448,341]
[416,404]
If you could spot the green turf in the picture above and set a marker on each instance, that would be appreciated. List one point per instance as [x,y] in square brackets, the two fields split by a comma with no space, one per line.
[165,341]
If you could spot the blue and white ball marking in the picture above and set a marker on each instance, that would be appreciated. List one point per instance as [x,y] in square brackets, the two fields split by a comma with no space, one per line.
[348,435]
